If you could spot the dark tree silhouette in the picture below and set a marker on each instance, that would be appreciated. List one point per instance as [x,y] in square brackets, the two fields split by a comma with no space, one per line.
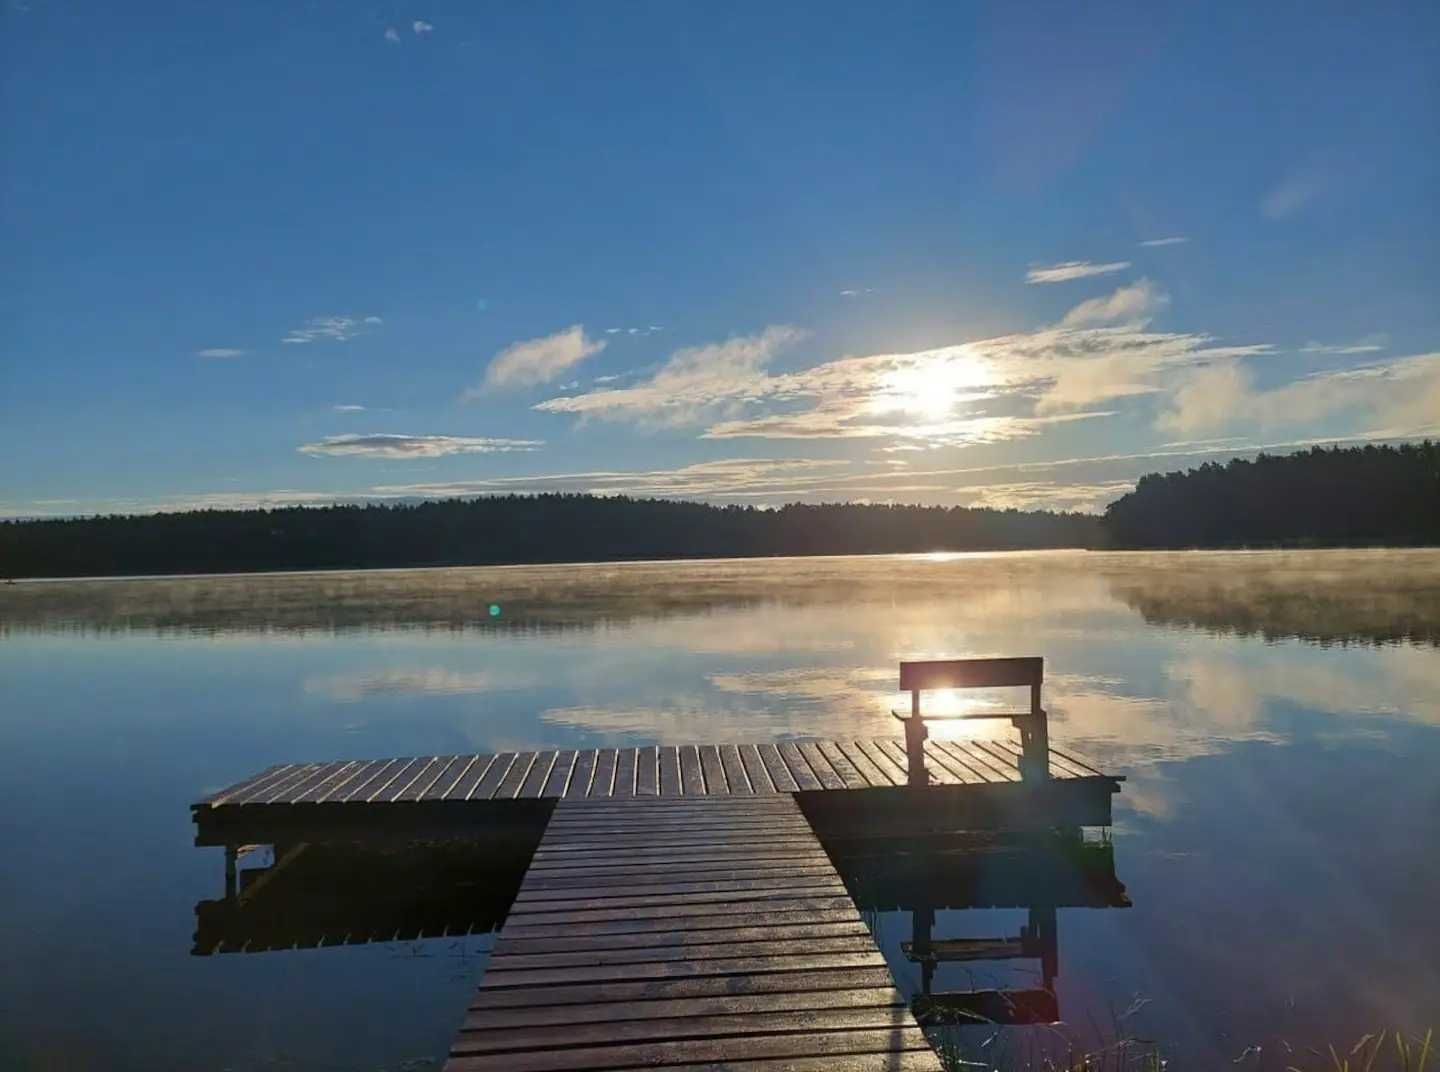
[1350,496]
[508,529]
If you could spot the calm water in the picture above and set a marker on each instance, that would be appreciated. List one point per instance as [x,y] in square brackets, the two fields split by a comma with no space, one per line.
[1278,716]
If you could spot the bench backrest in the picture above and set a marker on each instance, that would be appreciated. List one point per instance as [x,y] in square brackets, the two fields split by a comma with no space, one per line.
[972,674]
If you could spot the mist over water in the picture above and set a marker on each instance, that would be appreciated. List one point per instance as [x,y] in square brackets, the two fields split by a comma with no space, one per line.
[1277,716]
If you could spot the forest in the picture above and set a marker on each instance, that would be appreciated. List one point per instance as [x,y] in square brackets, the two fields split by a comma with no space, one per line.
[1339,496]
[1348,496]
[509,529]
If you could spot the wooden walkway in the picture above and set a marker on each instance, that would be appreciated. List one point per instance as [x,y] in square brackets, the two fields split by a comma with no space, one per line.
[664,771]
[697,932]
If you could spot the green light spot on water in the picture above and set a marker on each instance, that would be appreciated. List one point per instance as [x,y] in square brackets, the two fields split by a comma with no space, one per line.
[494,610]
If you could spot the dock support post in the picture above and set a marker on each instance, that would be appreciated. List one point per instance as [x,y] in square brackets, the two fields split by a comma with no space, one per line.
[1041,930]
[232,855]
[922,926]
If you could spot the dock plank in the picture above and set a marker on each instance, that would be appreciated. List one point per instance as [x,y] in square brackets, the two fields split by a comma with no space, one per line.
[581,775]
[379,775]
[735,774]
[883,760]
[559,776]
[945,769]
[267,790]
[849,774]
[539,775]
[489,782]
[472,775]
[826,1044]
[820,764]
[669,771]
[734,935]
[602,782]
[647,772]
[509,786]
[755,770]
[423,780]
[716,782]
[625,772]
[692,777]
[338,775]
[720,1004]
[977,755]
[871,771]
[670,989]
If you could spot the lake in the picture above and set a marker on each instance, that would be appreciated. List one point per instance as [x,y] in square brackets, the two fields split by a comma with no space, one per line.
[1277,715]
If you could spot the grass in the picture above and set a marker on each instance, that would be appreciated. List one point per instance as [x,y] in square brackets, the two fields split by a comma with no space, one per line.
[1385,1051]
[1405,1054]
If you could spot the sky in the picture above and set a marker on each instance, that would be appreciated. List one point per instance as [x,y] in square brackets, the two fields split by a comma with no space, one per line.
[1006,255]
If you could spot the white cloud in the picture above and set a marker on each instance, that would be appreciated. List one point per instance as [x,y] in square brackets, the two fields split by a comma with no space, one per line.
[1295,191]
[384,445]
[426,681]
[220,352]
[1398,399]
[728,477]
[775,481]
[1368,345]
[1127,305]
[841,423]
[536,361]
[334,328]
[348,409]
[1046,495]
[857,292]
[421,27]
[1070,270]
[1173,240]
[392,35]
[979,392]
[694,381]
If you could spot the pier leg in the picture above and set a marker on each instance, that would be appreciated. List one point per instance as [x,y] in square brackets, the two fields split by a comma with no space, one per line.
[232,856]
[922,923]
[1042,931]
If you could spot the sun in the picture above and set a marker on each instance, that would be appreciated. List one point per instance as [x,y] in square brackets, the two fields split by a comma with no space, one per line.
[931,387]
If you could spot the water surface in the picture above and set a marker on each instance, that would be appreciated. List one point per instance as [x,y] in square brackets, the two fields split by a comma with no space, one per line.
[1277,716]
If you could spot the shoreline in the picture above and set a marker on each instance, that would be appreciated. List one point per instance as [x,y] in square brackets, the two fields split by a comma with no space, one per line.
[937,555]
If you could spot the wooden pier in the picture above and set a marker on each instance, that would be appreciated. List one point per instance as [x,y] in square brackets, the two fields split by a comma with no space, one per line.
[677,908]
[683,934]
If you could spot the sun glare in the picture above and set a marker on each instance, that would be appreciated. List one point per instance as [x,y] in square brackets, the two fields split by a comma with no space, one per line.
[930,389]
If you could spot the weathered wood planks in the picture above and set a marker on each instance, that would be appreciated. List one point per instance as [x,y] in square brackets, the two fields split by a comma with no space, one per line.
[686,932]
[611,774]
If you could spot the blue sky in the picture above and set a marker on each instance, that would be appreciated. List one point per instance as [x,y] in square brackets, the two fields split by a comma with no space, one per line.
[1009,254]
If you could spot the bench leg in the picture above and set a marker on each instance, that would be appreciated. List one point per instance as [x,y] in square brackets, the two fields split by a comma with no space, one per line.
[915,734]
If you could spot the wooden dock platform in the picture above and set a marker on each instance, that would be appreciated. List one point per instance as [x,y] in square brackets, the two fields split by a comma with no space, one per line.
[680,934]
[441,791]
[677,908]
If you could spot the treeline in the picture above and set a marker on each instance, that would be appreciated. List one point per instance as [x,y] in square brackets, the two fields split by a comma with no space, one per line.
[508,529]
[1342,496]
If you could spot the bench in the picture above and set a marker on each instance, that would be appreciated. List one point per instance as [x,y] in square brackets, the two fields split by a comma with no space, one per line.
[1029,672]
